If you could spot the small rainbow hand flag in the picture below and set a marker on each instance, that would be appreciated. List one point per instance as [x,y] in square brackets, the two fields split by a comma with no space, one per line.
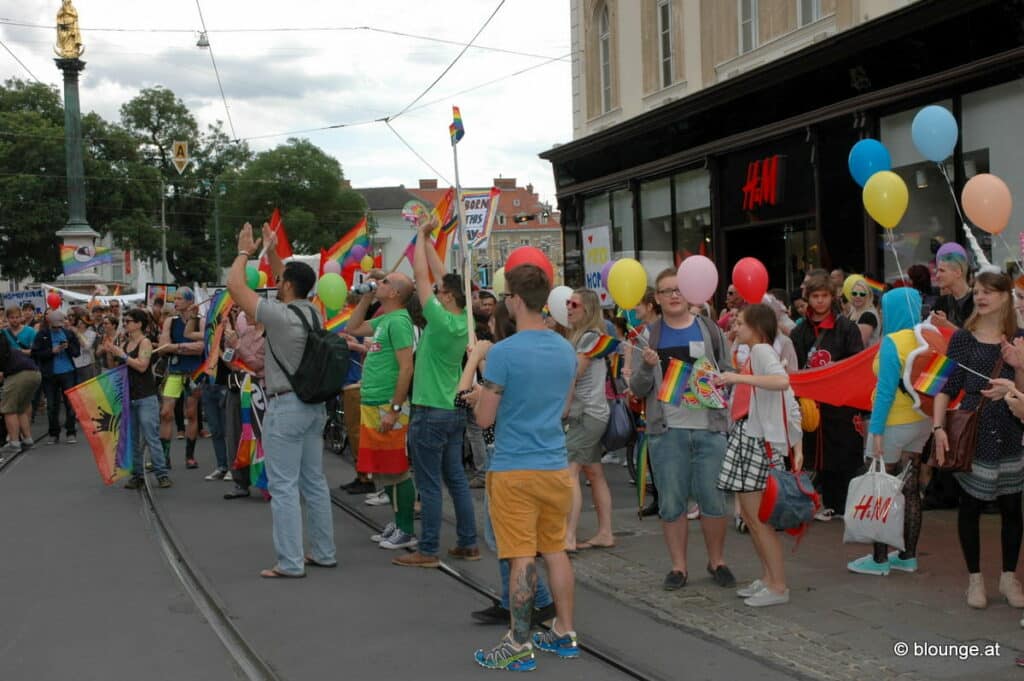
[675,381]
[603,346]
[615,365]
[338,322]
[935,375]
[455,129]
[877,287]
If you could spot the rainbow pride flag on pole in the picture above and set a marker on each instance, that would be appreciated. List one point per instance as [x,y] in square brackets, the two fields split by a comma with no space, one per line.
[603,346]
[675,382]
[455,129]
[102,406]
[357,236]
[935,375]
[338,322]
[877,287]
[447,217]
[641,471]
[75,260]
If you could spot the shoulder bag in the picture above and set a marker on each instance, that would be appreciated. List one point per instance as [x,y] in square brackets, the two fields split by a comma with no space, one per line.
[962,433]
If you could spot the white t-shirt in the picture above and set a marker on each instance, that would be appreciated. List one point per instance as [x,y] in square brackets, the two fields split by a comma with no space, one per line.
[765,416]
[85,357]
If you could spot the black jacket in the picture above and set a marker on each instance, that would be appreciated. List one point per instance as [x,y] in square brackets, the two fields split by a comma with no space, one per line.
[42,348]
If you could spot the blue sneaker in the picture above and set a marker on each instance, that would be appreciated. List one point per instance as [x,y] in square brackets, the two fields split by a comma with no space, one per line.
[902,564]
[563,645]
[506,656]
[866,565]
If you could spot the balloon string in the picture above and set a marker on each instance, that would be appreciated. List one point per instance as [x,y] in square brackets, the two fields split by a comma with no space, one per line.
[1020,267]
[952,192]
[899,268]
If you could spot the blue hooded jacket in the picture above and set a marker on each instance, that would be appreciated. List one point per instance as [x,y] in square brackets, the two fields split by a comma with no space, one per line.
[901,311]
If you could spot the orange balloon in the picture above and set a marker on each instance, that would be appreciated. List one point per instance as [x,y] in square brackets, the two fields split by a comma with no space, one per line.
[987,202]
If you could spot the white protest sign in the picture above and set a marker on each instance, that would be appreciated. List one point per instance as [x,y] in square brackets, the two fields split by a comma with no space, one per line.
[34,296]
[597,251]
[479,209]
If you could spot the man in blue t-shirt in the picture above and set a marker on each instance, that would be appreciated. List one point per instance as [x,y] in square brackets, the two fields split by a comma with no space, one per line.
[526,383]
[53,349]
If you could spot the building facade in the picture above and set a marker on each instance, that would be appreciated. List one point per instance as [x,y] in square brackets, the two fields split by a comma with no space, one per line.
[724,126]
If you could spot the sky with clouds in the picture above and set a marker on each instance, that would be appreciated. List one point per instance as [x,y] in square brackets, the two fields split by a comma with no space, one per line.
[281,80]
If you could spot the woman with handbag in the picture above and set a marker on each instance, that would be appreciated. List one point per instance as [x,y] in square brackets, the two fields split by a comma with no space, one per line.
[766,424]
[586,415]
[897,431]
[990,465]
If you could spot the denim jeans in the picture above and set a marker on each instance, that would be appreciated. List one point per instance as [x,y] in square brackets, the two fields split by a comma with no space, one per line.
[435,443]
[685,463]
[55,385]
[543,596]
[214,402]
[294,447]
[146,433]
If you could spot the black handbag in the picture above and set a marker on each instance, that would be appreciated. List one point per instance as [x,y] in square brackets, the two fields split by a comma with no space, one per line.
[621,430]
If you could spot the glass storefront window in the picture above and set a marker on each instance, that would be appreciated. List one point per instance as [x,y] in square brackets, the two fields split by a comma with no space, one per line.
[623,236]
[656,225]
[992,144]
[930,218]
[693,213]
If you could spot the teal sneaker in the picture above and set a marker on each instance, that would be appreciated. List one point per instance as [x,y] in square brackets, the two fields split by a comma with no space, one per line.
[506,656]
[902,564]
[866,565]
[563,645]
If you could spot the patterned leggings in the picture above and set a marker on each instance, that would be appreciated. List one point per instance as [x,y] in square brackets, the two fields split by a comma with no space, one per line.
[911,517]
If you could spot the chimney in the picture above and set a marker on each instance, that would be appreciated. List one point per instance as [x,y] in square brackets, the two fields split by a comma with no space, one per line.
[505,182]
[346,184]
[529,188]
[428,184]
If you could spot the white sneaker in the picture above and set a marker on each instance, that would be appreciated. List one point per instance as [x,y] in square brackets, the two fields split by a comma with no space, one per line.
[824,515]
[388,530]
[752,590]
[766,597]
[399,540]
[379,499]
[611,458]
[217,474]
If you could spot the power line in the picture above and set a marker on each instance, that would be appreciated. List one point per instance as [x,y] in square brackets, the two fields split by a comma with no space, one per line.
[449,67]
[216,72]
[10,52]
[295,29]
[409,147]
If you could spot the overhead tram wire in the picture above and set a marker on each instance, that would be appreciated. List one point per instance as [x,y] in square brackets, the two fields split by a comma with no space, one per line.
[409,147]
[27,69]
[216,72]
[449,67]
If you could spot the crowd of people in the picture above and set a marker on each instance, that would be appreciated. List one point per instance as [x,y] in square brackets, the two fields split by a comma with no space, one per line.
[508,399]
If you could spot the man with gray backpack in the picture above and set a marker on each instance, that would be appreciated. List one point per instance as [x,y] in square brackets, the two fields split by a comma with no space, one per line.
[301,364]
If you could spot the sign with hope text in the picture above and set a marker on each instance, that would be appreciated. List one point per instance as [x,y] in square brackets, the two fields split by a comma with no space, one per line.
[597,252]
[35,296]
[479,209]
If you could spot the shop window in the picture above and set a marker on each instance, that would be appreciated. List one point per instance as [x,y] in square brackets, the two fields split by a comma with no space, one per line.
[604,40]
[693,213]
[748,25]
[665,41]
[808,11]
[623,233]
[501,219]
[656,225]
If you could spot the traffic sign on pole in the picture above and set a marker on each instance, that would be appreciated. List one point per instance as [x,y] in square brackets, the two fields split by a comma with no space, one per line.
[180,159]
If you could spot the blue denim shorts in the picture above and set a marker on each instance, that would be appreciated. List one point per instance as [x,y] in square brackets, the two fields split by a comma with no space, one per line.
[685,464]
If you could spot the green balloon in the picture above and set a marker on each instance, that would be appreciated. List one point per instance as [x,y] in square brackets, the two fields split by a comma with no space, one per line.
[252,277]
[332,291]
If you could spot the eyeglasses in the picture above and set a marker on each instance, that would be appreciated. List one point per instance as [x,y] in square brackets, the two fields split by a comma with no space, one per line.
[572,304]
[859,294]
[670,292]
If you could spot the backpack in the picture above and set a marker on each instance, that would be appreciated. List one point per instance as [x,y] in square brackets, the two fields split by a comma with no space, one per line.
[324,365]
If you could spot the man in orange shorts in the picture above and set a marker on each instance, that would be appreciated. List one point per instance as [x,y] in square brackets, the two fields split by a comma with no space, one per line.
[526,383]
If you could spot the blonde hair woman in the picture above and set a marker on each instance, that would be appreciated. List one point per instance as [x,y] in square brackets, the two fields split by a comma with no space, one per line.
[587,415]
[862,308]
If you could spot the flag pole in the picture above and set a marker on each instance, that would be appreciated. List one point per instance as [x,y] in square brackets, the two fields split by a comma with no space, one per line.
[465,255]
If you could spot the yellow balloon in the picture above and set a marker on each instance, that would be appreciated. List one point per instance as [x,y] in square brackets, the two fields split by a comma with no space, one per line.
[263,280]
[886,198]
[366,264]
[627,282]
[498,285]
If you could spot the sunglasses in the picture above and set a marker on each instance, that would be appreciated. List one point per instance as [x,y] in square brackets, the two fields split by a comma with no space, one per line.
[858,294]
[572,304]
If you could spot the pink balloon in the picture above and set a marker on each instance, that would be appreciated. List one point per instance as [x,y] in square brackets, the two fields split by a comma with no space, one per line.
[987,202]
[332,266]
[698,279]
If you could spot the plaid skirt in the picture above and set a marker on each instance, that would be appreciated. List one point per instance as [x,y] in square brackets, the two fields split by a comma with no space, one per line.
[746,464]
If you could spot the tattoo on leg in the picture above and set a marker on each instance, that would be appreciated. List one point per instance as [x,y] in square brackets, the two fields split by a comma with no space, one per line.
[522,603]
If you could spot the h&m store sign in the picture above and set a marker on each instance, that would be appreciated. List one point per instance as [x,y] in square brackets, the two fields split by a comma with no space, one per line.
[767,182]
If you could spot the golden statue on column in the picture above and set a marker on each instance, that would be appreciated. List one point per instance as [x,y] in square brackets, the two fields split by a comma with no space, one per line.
[69,38]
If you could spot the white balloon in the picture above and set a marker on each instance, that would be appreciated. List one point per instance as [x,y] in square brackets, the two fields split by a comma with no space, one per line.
[557,300]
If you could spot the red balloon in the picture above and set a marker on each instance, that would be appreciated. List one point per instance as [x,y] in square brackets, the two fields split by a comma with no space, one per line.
[750,278]
[530,255]
[53,300]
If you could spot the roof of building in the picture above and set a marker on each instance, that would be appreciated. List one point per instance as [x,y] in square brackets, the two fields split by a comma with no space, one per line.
[386,198]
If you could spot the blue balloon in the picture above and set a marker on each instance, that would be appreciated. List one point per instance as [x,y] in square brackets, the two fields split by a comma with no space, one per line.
[934,132]
[867,157]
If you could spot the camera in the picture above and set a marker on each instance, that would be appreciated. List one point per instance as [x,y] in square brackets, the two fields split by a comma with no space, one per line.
[365,287]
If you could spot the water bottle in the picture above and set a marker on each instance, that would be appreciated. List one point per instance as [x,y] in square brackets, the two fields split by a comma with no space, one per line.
[365,287]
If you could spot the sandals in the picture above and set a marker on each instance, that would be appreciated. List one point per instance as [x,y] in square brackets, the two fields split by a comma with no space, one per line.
[274,573]
[310,561]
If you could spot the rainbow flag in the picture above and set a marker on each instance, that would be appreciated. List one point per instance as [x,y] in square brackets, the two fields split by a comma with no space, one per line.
[237,364]
[674,382]
[357,236]
[338,322]
[615,365]
[220,305]
[936,374]
[212,356]
[448,217]
[603,346]
[250,449]
[102,406]
[877,287]
[455,129]
[75,260]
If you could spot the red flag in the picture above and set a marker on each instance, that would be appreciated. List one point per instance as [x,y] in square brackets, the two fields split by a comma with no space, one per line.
[847,383]
[284,248]
[323,259]
[265,267]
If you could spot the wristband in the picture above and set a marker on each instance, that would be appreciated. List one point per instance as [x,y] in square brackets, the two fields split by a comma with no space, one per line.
[245,253]
[938,428]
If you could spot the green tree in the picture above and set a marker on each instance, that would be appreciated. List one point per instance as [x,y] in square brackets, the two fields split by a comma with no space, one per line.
[306,185]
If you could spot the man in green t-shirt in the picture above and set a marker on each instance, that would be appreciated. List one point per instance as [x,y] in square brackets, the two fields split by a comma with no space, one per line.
[384,410]
[437,428]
